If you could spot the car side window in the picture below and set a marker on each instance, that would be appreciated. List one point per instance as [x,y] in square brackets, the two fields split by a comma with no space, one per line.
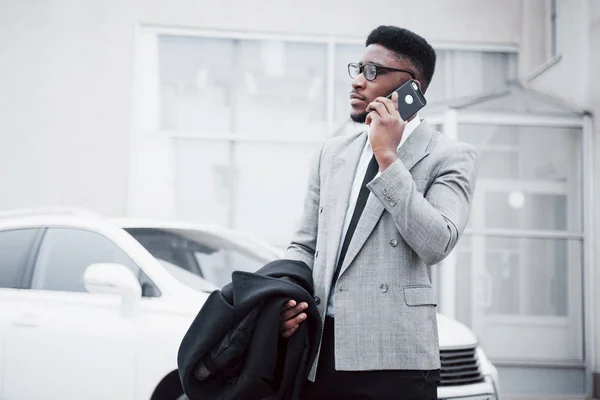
[15,248]
[66,253]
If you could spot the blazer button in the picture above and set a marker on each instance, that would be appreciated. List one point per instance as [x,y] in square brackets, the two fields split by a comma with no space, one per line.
[316,253]
[392,203]
[320,209]
[393,243]
[317,300]
[385,191]
[383,288]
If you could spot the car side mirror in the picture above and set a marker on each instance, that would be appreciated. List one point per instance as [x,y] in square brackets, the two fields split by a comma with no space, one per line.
[114,279]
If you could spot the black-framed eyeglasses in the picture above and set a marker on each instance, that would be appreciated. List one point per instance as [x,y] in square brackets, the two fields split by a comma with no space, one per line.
[370,70]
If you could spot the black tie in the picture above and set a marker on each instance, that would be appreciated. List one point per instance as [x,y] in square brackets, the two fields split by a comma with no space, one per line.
[363,195]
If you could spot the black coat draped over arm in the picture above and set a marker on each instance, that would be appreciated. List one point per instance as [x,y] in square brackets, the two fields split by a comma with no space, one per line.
[233,348]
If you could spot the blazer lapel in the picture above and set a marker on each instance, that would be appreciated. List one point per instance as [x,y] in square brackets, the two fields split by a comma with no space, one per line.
[411,152]
[342,177]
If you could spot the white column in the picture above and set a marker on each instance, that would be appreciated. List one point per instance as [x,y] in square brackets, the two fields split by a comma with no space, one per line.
[448,266]
[590,305]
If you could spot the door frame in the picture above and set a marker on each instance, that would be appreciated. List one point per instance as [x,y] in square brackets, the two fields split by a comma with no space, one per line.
[450,121]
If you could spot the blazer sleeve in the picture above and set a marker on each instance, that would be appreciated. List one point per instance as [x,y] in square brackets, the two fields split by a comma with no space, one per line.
[304,238]
[431,224]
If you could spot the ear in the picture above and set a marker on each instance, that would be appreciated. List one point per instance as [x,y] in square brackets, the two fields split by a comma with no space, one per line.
[419,85]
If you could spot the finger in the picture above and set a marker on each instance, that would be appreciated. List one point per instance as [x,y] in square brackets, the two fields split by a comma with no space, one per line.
[288,305]
[292,312]
[290,323]
[395,100]
[289,332]
[369,119]
[389,104]
[379,108]
[373,117]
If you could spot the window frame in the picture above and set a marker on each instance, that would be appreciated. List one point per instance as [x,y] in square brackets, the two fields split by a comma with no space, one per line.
[144,32]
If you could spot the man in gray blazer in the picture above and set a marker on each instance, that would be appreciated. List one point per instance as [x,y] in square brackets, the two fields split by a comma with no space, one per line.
[382,206]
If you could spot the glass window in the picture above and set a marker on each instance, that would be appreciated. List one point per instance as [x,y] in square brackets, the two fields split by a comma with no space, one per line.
[344,54]
[204,180]
[458,74]
[15,248]
[253,87]
[281,88]
[470,73]
[517,276]
[529,177]
[196,91]
[198,85]
[66,253]
[271,187]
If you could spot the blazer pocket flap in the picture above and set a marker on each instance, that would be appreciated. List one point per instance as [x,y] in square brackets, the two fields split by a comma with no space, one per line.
[419,296]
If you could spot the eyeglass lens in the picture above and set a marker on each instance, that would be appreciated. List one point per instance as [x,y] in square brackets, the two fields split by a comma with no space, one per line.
[369,70]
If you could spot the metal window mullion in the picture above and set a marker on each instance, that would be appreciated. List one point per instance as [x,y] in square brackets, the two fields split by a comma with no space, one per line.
[553,29]
[244,138]
[588,251]
[511,119]
[232,34]
[525,234]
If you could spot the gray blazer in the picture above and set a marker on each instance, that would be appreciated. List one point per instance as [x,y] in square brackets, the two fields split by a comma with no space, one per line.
[385,306]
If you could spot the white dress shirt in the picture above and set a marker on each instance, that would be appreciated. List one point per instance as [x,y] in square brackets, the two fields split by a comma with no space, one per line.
[361,170]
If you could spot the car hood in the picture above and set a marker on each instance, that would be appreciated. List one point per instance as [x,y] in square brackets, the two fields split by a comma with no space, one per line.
[454,334]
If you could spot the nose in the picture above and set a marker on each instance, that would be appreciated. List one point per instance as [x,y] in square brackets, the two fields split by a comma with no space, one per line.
[359,82]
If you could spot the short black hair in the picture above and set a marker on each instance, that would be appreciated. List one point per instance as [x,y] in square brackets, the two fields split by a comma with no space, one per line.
[407,45]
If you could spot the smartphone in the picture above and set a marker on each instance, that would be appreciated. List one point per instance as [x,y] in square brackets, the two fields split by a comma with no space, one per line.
[410,99]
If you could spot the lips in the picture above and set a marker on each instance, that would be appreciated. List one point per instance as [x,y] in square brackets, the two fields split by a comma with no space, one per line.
[357,100]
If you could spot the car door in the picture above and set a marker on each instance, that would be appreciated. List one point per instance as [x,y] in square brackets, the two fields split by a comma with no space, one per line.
[15,252]
[65,343]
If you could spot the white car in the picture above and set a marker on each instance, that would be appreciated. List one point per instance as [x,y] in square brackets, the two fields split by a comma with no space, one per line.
[93,308]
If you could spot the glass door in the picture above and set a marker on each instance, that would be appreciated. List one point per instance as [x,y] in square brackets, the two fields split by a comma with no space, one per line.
[519,265]
[526,297]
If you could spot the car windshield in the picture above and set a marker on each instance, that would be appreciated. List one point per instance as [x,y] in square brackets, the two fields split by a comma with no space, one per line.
[188,254]
[187,278]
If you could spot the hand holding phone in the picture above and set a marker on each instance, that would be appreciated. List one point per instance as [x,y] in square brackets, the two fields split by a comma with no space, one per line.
[386,124]
[410,99]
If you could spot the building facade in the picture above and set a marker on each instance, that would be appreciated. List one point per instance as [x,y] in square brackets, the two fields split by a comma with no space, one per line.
[211,112]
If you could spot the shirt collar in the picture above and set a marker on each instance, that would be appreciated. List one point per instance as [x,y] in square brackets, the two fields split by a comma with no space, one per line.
[408,130]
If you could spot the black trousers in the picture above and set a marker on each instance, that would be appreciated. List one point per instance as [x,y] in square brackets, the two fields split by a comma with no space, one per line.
[367,385]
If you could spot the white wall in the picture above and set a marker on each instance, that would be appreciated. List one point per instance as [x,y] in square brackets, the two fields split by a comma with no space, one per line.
[65,89]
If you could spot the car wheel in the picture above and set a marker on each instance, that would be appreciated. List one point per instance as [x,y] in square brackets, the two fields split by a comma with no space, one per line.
[182,397]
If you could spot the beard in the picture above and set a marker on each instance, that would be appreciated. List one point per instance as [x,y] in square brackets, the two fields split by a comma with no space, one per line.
[359,118]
